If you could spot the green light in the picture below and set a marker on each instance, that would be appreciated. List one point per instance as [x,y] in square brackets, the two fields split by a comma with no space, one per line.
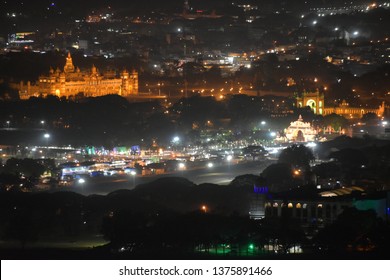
[251,246]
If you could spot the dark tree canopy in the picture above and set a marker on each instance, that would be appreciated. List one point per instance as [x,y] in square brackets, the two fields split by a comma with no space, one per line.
[354,229]
[337,122]
[370,118]
[278,176]
[297,156]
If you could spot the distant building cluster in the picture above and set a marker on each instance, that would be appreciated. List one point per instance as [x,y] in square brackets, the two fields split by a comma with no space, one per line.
[72,81]
[316,102]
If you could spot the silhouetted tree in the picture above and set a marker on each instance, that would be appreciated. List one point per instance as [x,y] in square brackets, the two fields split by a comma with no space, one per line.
[337,122]
[370,118]
[278,176]
[354,229]
[297,156]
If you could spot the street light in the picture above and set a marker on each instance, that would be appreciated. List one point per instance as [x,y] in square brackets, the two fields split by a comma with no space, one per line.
[47,136]
[176,139]
[81,181]
[133,173]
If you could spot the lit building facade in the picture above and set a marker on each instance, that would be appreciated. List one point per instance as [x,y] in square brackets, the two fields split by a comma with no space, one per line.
[323,208]
[72,81]
[299,131]
[315,100]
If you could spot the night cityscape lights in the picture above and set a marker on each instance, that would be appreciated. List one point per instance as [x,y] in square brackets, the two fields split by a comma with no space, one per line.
[248,129]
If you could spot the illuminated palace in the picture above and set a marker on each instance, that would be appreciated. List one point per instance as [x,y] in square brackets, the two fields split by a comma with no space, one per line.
[71,81]
[315,100]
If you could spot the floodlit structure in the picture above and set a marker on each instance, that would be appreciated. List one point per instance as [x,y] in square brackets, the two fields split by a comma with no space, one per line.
[316,102]
[299,131]
[72,81]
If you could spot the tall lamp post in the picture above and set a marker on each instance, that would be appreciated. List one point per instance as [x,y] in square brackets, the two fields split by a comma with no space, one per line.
[47,136]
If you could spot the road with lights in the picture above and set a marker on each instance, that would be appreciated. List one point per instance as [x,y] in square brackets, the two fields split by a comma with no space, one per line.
[221,175]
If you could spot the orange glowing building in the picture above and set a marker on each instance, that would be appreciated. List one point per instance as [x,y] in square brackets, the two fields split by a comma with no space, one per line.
[72,81]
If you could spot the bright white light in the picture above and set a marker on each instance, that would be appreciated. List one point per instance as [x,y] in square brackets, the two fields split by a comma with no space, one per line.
[336,29]
[182,165]
[133,173]
[356,33]
[263,122]
[314,22]
[81,181]
[176,139]
[229,157]
[46,135]
[210,164]
[311,145]
[273,134]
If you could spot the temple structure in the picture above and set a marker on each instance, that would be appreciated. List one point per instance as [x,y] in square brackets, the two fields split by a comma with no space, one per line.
[72,81]
[299,131]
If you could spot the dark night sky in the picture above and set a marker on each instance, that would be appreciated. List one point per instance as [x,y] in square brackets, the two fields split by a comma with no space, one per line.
[149,3]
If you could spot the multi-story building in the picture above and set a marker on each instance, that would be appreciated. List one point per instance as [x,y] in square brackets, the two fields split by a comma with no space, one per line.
[316,102]
[323,207]
[72,81]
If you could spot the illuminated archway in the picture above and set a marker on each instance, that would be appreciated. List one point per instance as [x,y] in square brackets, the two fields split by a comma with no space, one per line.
[312,104]
[300,137]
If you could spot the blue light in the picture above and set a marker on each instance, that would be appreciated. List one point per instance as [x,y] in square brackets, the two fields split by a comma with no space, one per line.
[388,211]
[261,189]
